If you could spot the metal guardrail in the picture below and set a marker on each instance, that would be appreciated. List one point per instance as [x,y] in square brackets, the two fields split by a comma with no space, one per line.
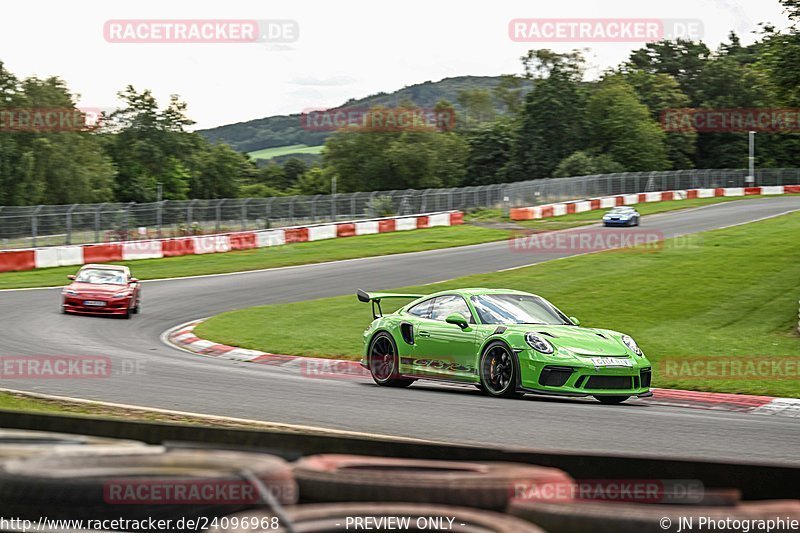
[47,225]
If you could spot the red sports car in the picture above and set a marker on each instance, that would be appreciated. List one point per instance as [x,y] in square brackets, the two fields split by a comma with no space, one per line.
[102,290]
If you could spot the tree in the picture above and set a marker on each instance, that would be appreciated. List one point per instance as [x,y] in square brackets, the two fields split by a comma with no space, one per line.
[220,173]
[585,164]
[621,126]
[366,159]
[477,106]
[292,170]
[682,59]
[780,55]
[552,119]
[660,93]
[489,151]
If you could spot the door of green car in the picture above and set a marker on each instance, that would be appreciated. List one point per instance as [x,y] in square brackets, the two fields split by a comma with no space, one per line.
[442,349]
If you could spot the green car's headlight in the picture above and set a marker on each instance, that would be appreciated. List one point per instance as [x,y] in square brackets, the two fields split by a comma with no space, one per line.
[631,344]
[538,343]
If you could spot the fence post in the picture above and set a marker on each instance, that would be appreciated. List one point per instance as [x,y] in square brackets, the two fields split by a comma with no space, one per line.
[128,220]
[69,224]
[159,215]
[268,212]
[244,212]
[291,211]
[218,212]
[35,225]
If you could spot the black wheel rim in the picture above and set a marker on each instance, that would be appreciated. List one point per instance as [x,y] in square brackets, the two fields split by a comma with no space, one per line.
[382,358]
[498,369]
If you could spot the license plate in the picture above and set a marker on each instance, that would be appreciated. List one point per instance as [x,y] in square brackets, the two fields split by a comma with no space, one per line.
[94,303]
[611,361]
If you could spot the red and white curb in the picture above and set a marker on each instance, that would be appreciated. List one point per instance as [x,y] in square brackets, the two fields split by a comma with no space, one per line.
[606,202]
[183,337]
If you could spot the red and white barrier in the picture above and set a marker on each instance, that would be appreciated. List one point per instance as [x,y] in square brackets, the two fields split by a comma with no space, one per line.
[607,202]
[29,259]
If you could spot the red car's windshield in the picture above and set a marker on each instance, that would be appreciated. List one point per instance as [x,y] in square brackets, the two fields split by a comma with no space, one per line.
[101,276]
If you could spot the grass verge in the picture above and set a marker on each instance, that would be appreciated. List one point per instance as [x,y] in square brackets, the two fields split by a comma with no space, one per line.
[483,226]
[733,296]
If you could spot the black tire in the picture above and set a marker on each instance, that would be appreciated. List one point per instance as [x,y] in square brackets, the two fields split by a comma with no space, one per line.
[108,488]
[384,362]
[489,485]
[611,400]
[138,306]
[499,371]
[333,517]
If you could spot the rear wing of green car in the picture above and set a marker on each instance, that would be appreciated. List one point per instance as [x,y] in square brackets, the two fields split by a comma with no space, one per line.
[376,297]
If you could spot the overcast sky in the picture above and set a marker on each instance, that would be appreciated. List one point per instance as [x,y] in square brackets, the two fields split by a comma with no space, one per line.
[345,48]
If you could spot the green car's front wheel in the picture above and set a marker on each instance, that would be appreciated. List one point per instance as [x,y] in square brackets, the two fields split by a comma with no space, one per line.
[498,371]
[384,362]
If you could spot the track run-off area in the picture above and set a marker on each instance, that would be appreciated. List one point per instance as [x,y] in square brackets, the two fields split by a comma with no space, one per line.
[147,372]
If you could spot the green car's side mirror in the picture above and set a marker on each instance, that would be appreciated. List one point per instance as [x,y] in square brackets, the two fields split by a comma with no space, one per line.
[457,319]
[575,321]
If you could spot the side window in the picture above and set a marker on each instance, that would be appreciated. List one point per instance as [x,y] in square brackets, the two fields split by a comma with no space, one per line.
[422,309]
[448,305]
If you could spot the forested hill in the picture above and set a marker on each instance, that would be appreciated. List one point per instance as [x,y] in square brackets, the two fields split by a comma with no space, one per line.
[283,130]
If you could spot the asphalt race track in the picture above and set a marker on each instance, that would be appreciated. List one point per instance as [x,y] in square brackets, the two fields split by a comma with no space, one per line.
[30,324]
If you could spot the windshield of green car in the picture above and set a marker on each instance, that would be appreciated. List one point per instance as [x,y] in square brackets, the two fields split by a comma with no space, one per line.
[516,309]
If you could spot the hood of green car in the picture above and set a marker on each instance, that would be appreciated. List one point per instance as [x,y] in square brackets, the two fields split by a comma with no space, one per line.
[581,341]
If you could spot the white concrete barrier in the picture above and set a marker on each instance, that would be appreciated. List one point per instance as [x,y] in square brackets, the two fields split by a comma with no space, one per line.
[211,244]
[608,201]
[631,199]
[274,237]
[733,191]
[405,224]
[367,228]
[318,233]
[772,189]
[141,250]
[652,196]
[70,255]
[441,219]
[559,210]
[46,257]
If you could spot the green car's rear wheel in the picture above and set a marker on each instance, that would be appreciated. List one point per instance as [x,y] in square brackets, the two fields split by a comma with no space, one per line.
[498,371]
[384,362]
[611,400]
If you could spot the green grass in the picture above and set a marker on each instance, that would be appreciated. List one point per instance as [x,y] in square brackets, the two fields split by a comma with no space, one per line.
[733,295]
[279,256]
[269,153]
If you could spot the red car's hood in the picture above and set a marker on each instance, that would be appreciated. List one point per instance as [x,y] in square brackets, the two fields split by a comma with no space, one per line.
[96,288]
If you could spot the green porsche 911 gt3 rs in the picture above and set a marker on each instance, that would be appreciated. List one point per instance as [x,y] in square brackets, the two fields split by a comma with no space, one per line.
[506,342]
